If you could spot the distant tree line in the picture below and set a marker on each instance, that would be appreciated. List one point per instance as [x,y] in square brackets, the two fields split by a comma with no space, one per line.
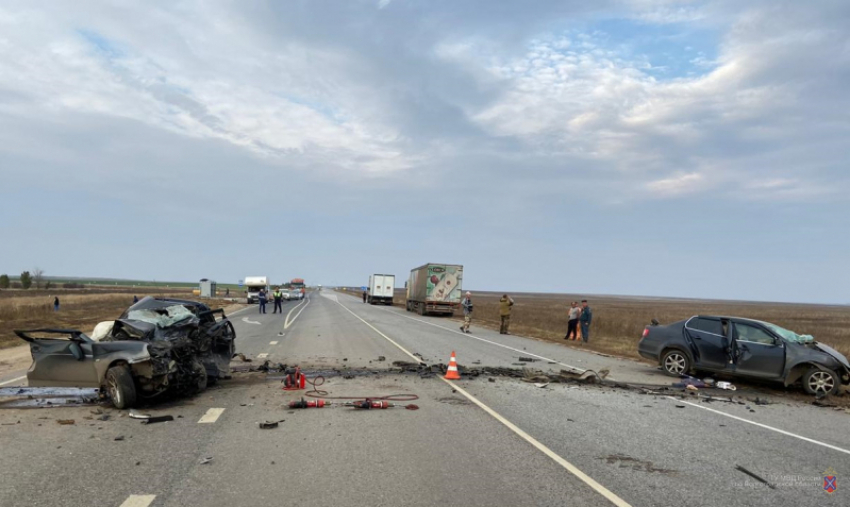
[27,279]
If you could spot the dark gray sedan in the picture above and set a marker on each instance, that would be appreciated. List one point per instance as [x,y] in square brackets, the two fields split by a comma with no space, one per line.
[745,348]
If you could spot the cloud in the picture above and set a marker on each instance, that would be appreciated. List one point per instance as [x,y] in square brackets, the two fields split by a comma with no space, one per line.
[677,185]
[513,121]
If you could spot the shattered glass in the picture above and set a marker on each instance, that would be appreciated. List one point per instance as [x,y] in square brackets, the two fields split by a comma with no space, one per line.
[162,317]
[790,336]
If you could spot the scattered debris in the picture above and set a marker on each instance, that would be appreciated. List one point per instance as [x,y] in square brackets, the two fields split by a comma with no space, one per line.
[104,417]
[134,415]
[158,419]
[476,362]
[825,402]
[243,358]
[268,425]
[66,422]
[726,385]
[491,379]
[523,359]
[754,476]
[206,461]
[691,387]
[119,438]
[680,406]
[761,401]
[382,358]
[541,384]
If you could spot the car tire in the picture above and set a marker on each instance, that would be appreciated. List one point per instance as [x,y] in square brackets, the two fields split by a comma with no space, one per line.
[821,381]
[675,363]
[120,387]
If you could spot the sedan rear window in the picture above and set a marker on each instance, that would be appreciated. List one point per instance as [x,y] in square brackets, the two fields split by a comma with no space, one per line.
[708,325]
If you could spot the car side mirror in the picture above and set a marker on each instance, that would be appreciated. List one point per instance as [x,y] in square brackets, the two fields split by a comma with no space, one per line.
[77,351]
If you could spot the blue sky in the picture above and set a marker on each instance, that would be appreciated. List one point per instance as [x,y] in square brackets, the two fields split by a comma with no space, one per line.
[648,147]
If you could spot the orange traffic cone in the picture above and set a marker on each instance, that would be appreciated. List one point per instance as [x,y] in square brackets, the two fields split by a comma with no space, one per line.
[452,373]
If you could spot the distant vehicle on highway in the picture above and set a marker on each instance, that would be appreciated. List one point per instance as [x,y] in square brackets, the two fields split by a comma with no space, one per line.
[381,289]
[253,284]
[434,288]
[745,348]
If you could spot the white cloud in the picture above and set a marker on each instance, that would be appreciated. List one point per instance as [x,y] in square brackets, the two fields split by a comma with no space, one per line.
[677,185]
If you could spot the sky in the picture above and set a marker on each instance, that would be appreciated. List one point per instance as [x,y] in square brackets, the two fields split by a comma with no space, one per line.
[643,147]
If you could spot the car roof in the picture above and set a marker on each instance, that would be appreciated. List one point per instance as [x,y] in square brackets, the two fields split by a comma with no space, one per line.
[729,318]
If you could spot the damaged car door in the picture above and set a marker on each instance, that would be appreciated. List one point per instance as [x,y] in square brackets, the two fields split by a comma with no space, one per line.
[709,336]
[759,353]
[61,358]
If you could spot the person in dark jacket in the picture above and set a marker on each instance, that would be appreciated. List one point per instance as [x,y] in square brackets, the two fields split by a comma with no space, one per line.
[56,304]
[586,318]
[261,297]
[135,299]
[364,296]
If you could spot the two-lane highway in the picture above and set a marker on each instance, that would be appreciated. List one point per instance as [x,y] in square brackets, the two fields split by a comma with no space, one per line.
[472,442]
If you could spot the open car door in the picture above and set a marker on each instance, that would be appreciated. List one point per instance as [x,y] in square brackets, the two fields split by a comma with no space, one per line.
[60,358]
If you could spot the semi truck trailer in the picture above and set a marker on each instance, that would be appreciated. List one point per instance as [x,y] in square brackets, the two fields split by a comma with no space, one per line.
[435,289]
[381,289]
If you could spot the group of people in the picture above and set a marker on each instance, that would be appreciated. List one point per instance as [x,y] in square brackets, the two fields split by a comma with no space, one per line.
[582,315]
[578,315]
[277,297]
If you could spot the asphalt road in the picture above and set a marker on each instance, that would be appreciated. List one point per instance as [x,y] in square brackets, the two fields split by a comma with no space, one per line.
[472,442]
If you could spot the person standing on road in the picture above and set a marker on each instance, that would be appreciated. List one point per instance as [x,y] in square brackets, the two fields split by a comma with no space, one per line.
[505,305]
[586,318]
[364,296]
[56,304]
[278,300]
[261,297]
[572,324]
[467,312]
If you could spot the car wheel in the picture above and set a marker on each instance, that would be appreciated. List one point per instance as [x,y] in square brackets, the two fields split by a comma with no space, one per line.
[820,381]
[675,363]
[120,387]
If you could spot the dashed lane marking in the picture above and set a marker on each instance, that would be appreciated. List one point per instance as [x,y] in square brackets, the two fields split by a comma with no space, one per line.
[272,343]
[138,501]
[211,416]
[599,488]
[263,355]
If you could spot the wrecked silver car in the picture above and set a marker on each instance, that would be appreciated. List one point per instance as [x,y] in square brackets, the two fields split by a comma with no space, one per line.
[182,326]
[157,346]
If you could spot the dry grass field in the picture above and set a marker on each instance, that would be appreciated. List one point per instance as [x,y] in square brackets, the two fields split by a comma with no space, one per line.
[79,309]
[619,321]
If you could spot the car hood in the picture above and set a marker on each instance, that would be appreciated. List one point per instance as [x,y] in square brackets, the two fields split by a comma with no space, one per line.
[834,353]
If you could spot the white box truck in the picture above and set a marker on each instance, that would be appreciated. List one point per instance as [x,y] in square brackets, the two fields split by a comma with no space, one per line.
[381,289]
[253,284]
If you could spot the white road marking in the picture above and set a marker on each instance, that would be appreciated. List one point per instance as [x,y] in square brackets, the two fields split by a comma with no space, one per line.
[272,343]
[138,501]
[12,380]
[765,426]
[248,321]
[599,488]
[211,416]
[263,355]
[287,323]
[523,352]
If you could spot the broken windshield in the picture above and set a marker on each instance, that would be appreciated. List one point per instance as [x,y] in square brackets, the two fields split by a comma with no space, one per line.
[790,336]
[162,317]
